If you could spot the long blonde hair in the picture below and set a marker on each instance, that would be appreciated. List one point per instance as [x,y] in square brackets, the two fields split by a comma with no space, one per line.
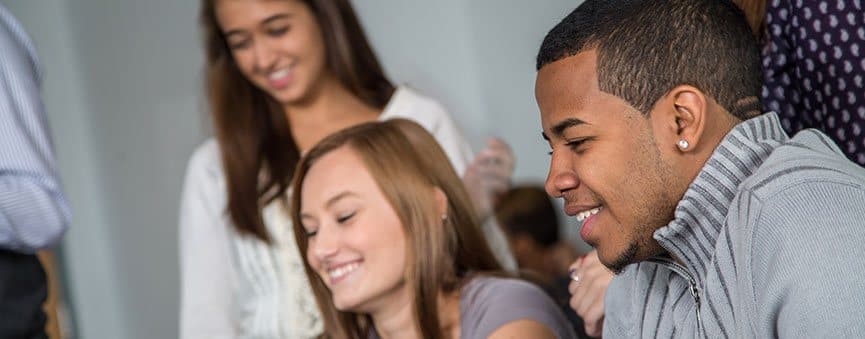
[406,162]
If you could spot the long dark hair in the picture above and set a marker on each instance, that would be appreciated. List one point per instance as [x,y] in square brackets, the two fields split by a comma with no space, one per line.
[406,163]
[257,148]
[755,13]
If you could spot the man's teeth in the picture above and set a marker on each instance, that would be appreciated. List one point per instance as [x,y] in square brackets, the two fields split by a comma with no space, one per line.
[585,214]
[341,271]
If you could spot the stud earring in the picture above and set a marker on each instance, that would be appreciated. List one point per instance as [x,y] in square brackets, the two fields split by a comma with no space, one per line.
[683,144]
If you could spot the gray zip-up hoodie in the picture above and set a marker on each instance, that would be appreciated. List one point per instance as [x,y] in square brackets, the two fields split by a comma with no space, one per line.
[770,242]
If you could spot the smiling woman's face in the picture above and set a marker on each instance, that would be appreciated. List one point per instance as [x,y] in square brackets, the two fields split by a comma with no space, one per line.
[276,44]
[356,241]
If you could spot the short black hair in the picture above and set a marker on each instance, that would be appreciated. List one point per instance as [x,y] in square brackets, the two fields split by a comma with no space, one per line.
[646,48]
[573,34]
[528,210]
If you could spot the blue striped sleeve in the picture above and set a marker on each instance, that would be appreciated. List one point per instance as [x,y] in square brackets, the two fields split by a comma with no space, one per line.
[34,213]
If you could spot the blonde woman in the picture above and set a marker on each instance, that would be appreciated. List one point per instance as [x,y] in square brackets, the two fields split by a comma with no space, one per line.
[392,248]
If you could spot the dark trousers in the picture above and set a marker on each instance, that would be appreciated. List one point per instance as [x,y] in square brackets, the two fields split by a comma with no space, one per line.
[23,289]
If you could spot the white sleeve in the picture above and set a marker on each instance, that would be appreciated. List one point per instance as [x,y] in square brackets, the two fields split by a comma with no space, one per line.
[207,275]
[499,244]
[452,141]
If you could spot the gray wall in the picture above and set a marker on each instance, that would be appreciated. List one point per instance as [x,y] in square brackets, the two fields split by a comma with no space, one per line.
[478,57]
[124,99]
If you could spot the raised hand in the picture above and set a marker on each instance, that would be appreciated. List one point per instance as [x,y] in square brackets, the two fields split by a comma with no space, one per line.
[588,287]
[488,176]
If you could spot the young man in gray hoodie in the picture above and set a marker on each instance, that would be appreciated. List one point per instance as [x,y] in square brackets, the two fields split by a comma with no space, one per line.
[718,223]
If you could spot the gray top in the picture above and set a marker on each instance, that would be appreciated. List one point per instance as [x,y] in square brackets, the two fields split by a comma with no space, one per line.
[770,237]
[487,303]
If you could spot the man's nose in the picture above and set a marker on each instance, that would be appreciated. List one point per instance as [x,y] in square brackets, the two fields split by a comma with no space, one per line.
[561,177]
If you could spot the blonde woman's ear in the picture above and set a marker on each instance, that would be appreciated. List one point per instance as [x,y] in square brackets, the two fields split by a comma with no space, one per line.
[441,202]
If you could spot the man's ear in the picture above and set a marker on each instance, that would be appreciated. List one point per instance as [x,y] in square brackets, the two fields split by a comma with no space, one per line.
[441,202]
[689,110]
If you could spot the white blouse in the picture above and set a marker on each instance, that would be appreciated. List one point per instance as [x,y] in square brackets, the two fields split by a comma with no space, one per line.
[236,286]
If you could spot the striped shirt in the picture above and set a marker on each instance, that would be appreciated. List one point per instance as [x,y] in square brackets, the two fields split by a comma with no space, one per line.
[33,211]
[769,240]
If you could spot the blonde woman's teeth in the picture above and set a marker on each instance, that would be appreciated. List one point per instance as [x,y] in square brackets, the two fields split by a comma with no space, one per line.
[342,271]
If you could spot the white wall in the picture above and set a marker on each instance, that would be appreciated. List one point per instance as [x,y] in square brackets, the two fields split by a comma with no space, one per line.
[124,99]
[141,66]
[506,43]
[478,57]
[122,94]
[428,45]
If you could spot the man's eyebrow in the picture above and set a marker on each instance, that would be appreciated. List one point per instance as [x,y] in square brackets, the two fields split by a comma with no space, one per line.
[558,129]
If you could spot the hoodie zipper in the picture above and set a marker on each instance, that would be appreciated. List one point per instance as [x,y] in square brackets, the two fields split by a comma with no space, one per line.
[692,285]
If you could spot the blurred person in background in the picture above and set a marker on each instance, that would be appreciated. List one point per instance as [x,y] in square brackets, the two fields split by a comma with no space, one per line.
[34,213]
[531,224]
[393,249]
[282,75]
